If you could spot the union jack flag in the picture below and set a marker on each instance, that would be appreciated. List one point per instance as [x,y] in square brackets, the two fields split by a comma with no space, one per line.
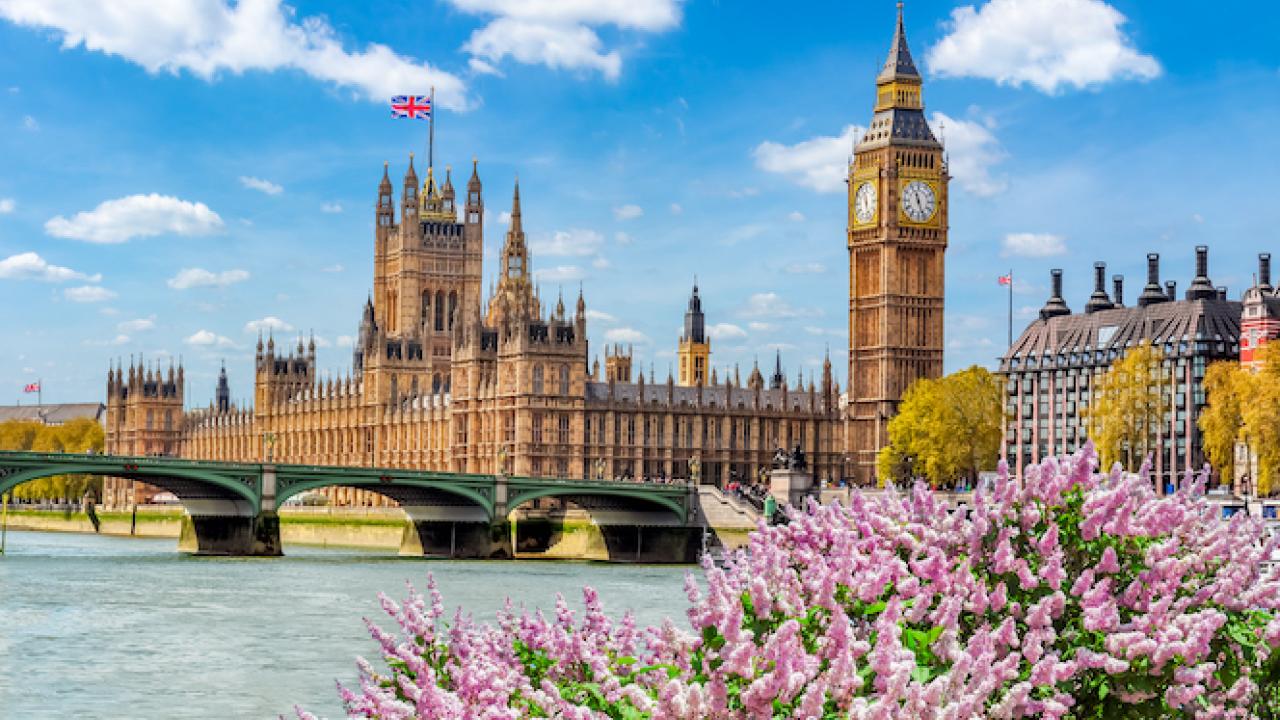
[31,387]
[1005,279]
[414,107]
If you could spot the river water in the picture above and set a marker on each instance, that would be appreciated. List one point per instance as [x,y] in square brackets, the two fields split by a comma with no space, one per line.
[106,627]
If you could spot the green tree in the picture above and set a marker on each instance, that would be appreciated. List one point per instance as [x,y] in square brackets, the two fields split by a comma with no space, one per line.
[1127,406]
[946,429]
[1227,386]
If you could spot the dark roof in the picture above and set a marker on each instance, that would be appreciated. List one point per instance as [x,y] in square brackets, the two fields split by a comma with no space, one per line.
[902,126]
[899,63]
[1175,325]
[712,395]
[52,414]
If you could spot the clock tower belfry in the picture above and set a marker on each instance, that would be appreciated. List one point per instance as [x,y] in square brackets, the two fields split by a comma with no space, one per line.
[897,242]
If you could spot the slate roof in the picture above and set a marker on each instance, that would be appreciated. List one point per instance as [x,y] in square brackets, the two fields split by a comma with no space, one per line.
[52,414]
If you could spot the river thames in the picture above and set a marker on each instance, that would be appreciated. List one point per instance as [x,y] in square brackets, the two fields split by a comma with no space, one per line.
[105,627]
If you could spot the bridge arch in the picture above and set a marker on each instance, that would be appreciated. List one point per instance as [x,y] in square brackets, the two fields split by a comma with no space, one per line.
[648,501]
[408,491]
[188,484]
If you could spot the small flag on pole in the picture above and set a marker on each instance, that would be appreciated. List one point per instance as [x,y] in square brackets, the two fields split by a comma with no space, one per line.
[31,387]
[1005,279]
[413,107]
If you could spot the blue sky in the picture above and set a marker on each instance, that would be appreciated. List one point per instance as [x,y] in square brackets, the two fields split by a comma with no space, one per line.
[174,176]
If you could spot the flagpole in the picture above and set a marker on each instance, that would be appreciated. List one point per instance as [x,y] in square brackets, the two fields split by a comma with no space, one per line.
[39,392]
[431,137]
[1010,307]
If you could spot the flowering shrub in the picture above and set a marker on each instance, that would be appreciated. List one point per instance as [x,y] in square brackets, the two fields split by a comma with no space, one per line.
[1071,594]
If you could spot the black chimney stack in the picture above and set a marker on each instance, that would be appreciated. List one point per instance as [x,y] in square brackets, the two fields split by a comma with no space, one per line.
[1201,288]
[1152,293]
[1264,272]
[1056,305]
[1118,282]
[1222,292]
[1171,289]
[1099,300]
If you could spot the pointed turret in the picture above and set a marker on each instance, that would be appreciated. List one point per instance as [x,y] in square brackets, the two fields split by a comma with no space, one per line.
[446,193]
[515,254]
[778,379]
[899,65]
[223,392]
[755,380]
[385,213]
[409,198]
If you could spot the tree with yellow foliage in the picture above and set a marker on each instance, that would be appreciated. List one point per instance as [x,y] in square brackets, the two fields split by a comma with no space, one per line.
[1244,407]
[75,436]
[1127,406]
[945,430]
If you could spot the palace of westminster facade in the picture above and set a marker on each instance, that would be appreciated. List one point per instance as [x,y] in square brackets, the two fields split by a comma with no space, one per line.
[446,379]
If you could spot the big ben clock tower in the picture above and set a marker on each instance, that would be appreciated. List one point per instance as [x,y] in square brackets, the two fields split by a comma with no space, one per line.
[897,243]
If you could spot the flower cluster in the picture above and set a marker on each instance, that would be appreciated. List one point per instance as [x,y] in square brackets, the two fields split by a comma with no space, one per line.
[1066,594]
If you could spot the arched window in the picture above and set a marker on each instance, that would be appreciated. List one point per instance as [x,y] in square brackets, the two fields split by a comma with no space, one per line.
[440,310]
[435,384]
[564,379]
[537,379]
[453,307]
[426,306]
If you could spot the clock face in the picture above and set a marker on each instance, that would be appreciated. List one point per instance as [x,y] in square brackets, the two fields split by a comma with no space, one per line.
[864,202]
[918,201]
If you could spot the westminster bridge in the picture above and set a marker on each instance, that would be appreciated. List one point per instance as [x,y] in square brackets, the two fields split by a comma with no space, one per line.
[231,507]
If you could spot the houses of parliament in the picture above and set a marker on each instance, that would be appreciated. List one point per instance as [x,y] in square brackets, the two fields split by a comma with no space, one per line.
[444,378]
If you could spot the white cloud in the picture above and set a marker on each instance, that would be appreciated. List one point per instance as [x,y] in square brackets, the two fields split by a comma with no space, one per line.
[812,268]
[743,232]
[210,37]
[7,205]
[1034,245]
[725,331]
[188,278]
[769,305]
[676,209]
[626,335]
[622,238]
[504,218]
[264,186]
[28,122]
[480,67]
[573,242]
[335,268]
[137,325]
[117,221]
[207,338]
[757,326]
[30,266]
[556,46]
[600,262]
[820,163]
[560,273]
[268,323]
[628,212]
[1197,217]
[600,316]
[972,150]
[560,33]
[331,207]
[88,294]
[345,341]
[1047,44]
[795,216]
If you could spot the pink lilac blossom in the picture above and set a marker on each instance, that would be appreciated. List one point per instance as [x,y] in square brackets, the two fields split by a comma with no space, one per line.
[1066,593]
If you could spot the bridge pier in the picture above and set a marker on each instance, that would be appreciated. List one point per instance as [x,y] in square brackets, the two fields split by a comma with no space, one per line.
[454,539]
[234,535]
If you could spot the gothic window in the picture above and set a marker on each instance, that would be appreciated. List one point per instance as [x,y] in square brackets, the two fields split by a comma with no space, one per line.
[426,306]
[440,310]
[564,379]
[562,432]
[453,307]
[168,419]
[537,379]
[395,386]
[473,217]
[537,428]
[435,384]
[150,419]
[631,429]
[509,428]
